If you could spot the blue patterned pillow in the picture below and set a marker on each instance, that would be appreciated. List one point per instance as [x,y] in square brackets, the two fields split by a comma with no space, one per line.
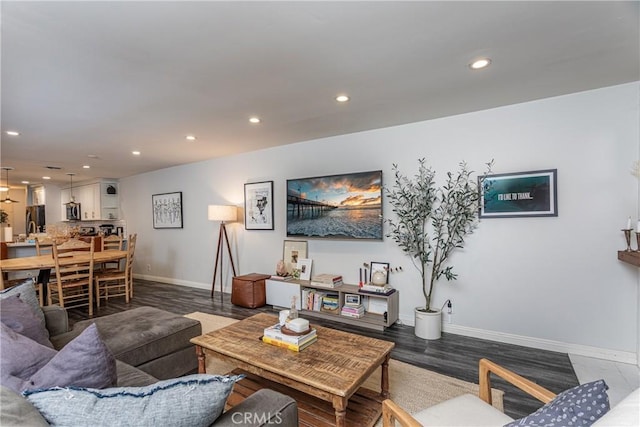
[582,405]
[190,401]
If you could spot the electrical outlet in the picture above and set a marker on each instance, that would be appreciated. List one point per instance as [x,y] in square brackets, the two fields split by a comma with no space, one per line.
[148,267]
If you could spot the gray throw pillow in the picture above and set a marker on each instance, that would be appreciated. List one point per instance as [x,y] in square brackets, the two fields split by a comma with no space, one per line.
[27,293]
[18,412]
[17,315]
[20,357]
[190,401]
[582,405]
[84,362]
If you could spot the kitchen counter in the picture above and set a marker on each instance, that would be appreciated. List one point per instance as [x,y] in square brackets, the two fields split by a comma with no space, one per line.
[26,244]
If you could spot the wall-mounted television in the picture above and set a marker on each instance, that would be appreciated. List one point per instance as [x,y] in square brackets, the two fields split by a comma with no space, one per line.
[347,206]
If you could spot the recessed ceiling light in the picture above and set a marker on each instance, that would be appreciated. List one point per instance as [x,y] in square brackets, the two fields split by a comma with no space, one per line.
[86,167]
[190,138]
[135,153]
[12,133]
[255,120]
[342,98]
[46,177]
[479,64]
[24,182]
[92,156]
[3,188]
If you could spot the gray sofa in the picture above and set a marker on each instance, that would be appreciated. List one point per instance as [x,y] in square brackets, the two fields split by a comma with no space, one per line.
[149,344]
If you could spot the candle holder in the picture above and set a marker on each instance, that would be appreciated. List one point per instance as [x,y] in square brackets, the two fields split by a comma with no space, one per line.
[627,236]
[638,240]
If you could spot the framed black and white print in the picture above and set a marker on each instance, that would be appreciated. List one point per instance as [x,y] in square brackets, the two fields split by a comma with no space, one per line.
[521,194]
[167,210]
[258,206]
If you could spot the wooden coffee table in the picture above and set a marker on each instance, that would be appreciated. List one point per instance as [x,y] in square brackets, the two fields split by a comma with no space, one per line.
[331,370]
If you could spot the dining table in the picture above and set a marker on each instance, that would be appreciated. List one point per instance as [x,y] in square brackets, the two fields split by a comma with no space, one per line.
[40,262]
[45,263]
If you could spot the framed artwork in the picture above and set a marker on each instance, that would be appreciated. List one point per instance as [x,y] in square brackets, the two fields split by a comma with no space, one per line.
[167,210]
[293,250]
[346,206]
[304,265]
[382,267]
[258,206]
[521,194]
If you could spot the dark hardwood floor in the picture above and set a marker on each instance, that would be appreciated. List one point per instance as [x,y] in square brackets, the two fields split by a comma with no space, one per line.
[453,355]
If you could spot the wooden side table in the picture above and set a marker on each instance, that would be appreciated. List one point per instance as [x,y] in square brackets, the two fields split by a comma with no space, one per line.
[249,290]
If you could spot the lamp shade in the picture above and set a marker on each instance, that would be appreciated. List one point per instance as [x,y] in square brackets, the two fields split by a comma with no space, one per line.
[222,213]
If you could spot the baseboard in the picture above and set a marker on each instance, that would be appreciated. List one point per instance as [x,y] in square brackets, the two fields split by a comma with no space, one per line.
[171,281]
[539,343]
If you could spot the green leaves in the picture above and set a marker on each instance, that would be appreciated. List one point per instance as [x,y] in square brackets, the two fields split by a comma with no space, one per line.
[433,221]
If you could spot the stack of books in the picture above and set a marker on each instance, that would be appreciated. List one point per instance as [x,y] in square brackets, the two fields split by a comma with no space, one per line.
[330,302]
[326,280]
[284,278]
[374,289]
[273,335]
[353,310]
[312,299]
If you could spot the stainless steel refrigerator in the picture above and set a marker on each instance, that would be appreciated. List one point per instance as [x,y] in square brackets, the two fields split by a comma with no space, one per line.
[35,214]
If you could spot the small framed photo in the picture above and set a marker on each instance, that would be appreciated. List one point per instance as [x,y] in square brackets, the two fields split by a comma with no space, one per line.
[304,265]
[293,251]
[382,267]
[519,194]
[352,300]
[167,210]
[258,206]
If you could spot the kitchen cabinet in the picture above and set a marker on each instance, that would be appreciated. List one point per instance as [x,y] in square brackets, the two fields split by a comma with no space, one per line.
[98,201]
[109,200]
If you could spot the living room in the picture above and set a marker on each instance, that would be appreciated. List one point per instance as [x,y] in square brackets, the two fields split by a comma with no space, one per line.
[551,283]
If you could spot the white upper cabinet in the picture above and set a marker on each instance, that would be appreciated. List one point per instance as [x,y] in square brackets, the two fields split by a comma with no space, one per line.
[98,201]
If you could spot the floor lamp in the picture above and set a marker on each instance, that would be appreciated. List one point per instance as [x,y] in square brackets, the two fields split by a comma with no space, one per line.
[222,213]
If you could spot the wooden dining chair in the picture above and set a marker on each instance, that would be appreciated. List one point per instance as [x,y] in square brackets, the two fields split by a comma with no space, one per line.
[133,239]
[73,285]
[111,243]
[6,283]
[42,249]
[116,283]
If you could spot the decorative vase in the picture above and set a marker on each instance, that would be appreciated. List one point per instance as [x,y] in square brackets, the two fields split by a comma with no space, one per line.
[379,279]
[428,325]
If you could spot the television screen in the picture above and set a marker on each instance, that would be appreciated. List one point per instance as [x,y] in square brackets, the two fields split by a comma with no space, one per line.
[345,206]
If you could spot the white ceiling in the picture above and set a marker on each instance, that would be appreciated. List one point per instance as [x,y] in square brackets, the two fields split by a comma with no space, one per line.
[106,78]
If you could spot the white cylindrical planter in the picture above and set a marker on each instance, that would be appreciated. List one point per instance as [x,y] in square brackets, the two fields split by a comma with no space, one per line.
[428,325]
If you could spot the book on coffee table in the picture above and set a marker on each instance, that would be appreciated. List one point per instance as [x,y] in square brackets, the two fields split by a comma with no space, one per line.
[290,346]
[276,332]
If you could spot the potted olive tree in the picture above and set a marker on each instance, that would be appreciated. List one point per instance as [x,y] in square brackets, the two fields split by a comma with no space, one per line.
[431,223]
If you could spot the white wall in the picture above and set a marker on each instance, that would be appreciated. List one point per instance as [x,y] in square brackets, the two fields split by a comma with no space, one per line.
[547,282]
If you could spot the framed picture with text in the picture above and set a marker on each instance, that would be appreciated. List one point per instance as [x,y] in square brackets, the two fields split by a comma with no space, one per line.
[167,210]
[258,206]
[521,194]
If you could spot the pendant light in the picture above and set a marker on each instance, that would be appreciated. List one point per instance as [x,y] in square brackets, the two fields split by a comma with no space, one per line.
[8,199]
[71,202]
